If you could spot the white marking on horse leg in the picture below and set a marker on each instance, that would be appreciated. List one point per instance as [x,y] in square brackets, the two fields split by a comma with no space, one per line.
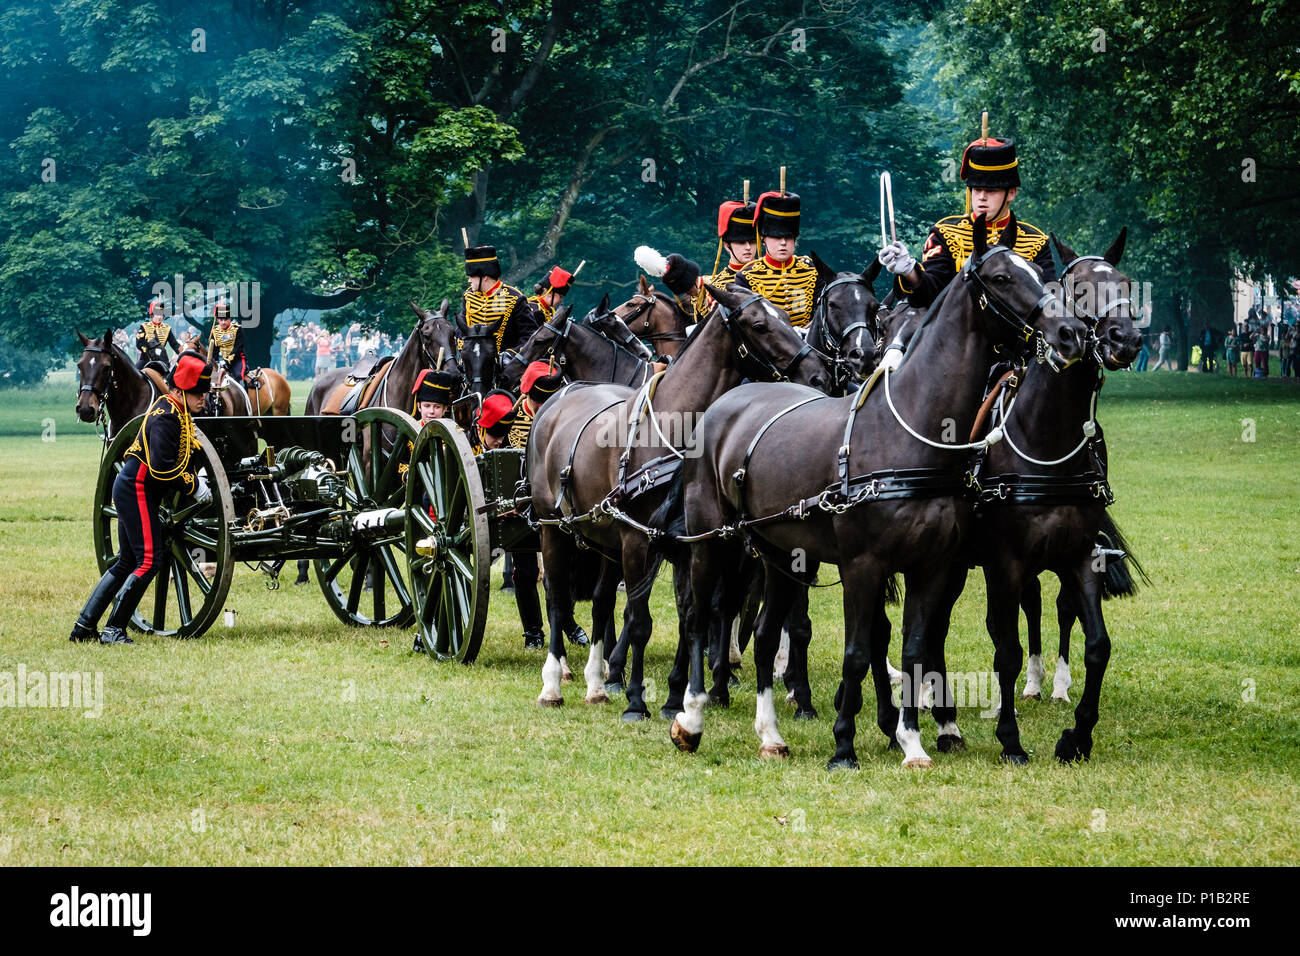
[1062,682]
[949,729]
[691,718]
[1034,675]
[895,675]
[595,681]
[782,656]
[927,695]
[734,650]
[566,675]
[914,754]
[550,681]
[765,725]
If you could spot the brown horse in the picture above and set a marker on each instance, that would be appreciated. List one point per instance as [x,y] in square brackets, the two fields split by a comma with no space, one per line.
[110,385]
[270,397]
[432,335]
[597,451]
[658,318]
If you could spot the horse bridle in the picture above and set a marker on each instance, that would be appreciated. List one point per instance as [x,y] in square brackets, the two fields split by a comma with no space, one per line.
[645,308]
[745,346]
[988,302]
[1091,321]
[112,378]
[561,336]
[840,371]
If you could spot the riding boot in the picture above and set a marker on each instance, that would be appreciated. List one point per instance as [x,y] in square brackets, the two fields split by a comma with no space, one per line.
[127,601]
[100,598]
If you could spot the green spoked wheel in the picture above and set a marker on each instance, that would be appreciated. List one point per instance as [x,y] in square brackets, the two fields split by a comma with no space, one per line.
[447,543]
[366,585]
[194,558]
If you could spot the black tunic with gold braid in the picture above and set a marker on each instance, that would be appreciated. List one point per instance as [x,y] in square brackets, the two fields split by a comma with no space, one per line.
[230,346]
[792,287]
[502,302]
[152,340]
[521,426]
[951,243]
[542,312]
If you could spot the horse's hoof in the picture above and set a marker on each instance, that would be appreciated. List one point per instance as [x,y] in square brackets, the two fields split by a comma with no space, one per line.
[1015,758]
[719,699]
[770,751]
[1062,697]
[1068,749]
[806,713]
[635,716]
[550,701]
[949,743]
[613,688]
[842,763]
[566,677]
[600,697]
[686,743]
[669,713]
[1031,695]
[918,763]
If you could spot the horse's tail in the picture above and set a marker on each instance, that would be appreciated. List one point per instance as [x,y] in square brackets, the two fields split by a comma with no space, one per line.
[892,595]
[1117,581]
[669,519]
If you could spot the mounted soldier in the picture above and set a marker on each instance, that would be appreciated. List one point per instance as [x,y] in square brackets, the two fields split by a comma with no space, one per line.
[228,339]
[790,282]
[156,463]
[991,172]
[154,337]
[489,300]
[548,294]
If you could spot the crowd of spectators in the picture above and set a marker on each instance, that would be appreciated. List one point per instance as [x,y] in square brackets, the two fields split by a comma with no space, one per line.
[307,349]
[1245,349]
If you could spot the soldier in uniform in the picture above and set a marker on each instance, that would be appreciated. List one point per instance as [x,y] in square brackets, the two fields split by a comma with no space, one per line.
[547,295]
[495,418]
[154,337]
[788,281]
[540,382]
[157,462]
[991,171]
[228,338]
[736,234]
[488,299]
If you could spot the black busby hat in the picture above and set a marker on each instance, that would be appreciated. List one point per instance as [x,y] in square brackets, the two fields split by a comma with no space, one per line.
[990,164]
[736,221]
[778,215]
[434,386]
[482,261]
[221,310]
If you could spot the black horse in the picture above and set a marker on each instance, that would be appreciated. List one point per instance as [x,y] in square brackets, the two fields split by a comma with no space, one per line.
[843,325]
[1043,506]
[477,356]
[858,482]
[603,458]
[585,355]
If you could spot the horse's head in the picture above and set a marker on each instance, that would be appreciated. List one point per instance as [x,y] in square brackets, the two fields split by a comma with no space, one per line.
[478,356]
[1098,293]
[615,329]
[94,375]
[656,318]
[1014,306]
[844,320]
[769,347]
[897,326]
[437,337]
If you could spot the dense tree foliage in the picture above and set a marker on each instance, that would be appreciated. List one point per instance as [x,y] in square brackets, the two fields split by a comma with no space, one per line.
[332,151]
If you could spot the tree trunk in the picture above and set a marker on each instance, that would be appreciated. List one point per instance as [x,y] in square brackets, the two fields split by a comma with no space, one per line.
[278,295]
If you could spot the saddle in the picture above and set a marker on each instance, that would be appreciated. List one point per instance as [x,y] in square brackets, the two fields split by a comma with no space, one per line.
[352,393]
[365,367]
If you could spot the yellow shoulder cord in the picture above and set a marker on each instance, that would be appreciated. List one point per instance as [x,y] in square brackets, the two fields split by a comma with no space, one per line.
[187,444]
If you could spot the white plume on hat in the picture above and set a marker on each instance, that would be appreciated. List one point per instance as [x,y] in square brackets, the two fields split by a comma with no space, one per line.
[650,261]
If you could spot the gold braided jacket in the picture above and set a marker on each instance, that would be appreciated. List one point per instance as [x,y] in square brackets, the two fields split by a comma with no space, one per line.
[547,312]
[517,437]
[958,237]
[480,308]
[792,287]
[225,341]
[155,333]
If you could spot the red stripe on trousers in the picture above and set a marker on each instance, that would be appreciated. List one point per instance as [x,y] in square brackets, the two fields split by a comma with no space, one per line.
[143,507]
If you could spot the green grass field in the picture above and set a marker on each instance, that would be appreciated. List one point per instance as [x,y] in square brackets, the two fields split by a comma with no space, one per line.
[293,739]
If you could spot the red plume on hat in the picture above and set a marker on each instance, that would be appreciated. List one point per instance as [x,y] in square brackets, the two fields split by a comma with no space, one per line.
[559,280]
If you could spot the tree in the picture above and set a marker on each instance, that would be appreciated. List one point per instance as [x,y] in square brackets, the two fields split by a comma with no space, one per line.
[261,142]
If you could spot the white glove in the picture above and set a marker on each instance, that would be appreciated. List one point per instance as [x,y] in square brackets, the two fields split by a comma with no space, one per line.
[202,493]
[897,259]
